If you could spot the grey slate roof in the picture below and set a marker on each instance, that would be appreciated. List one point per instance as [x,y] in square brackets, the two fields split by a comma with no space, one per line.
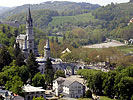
[21,36]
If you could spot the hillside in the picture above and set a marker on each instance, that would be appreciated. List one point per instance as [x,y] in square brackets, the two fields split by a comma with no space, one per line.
[85,28]
[60,6]
[4,9]
[59,20]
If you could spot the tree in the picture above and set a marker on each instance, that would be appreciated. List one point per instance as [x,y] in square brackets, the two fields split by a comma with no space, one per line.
[52,40]
[56,39]
[64,37]
[39,80]
[39,98]
[23,72]
[16,50]
[88,94]
[32,65]
[15,85]
[108,84]
[5,58]
[59,73]
[20,59]
[49,72]
[126,88]
[3,29]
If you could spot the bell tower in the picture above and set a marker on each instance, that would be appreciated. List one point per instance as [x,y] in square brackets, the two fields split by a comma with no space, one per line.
[47,50]
[29,32]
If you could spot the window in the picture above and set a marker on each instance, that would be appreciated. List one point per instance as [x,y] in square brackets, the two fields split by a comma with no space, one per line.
[79,91]
[28,97]
[79,86]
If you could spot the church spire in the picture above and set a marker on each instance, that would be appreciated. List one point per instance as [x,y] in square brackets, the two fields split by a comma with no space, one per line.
[47,44]
[47,50]
[29,18]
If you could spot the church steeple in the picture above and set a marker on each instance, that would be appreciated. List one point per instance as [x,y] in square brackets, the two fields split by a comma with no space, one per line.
[29,18]
[29,32]
[47,50]
[47,44]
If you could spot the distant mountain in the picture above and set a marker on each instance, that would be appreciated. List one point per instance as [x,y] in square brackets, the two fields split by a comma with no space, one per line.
[131,0]
[60,6]
[3,9]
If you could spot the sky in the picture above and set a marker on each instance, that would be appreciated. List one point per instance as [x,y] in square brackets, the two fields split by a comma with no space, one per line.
[12,3]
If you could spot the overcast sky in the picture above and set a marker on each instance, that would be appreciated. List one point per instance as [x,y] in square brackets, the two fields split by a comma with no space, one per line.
[11,3]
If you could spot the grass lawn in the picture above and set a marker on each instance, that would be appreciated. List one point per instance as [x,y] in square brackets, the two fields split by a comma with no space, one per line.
[85,99]
[59,38]
[72,19]
[101,98]
[105,98]
[126,49]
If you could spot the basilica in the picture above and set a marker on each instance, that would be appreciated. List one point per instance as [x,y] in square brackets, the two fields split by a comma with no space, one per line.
[26,41]
[27,45]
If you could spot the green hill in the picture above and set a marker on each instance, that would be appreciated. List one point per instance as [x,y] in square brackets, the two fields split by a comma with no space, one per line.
[70,8]
[82,18]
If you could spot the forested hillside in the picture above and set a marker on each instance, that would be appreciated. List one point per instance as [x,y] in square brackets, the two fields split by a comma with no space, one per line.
[64,7]
[3,9]
[41,18]
[116,17]
[83,28]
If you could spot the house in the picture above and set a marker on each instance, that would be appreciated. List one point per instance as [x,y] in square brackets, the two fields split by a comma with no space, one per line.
[6,94]
[66,51]
[72,86]
[57,85]
[131,21]
[130,41]
[31,91]
[17,97]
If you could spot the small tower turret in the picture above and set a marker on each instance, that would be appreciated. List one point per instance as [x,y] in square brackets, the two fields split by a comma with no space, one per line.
[47,50]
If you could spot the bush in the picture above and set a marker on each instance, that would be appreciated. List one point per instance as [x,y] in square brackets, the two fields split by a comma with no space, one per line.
[132,98]
[88,94]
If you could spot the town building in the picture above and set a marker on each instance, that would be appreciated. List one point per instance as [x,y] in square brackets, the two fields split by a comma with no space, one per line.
[56,63]
[5,94]
[31,91]
[72,87]
[131,21]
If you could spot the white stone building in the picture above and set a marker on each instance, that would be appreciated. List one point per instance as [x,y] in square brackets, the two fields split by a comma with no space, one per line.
[26,41]
[30,92]
[72,87]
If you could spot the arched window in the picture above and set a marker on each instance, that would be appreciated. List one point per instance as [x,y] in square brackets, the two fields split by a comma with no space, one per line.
[28,97]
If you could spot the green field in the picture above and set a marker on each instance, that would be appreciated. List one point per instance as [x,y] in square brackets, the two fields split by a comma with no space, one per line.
[59,38]
[101,98]
[82,18]
[126,49]
[105,98]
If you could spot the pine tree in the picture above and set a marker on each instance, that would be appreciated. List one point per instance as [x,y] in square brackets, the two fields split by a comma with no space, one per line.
[20,60]
[56,39]
[49,72]
[3,29]
[64,37]
[32,65]
[5,58]
[16,50]
[52,40]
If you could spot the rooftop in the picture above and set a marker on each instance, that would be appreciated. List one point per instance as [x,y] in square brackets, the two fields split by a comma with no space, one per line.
[69,80]
[29,88]
[21,36]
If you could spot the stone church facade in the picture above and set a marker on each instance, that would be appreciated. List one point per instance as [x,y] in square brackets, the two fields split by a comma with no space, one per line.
[26,41]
